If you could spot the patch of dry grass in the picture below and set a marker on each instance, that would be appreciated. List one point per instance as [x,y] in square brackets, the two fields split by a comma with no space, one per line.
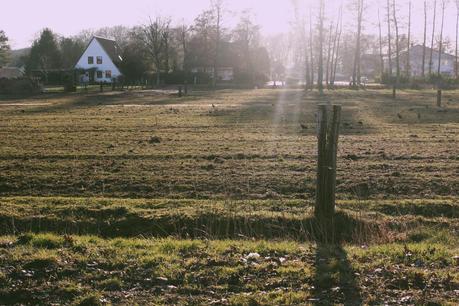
[249,144]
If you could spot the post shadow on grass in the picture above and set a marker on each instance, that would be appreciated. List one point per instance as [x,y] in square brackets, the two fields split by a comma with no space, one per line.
[334,280]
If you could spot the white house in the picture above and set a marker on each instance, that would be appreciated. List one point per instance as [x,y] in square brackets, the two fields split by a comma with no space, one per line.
[447,61]
[101,60]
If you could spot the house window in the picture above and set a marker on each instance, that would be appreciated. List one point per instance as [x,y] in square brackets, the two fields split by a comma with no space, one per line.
[108,74]
[90,60]
[99,75]
[99,60]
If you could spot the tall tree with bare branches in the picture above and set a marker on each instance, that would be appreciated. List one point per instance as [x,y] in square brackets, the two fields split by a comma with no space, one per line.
[311,46]
[440,44]
[329,49]
[217,9]
[389,52]
[381,45]
[335,45]
[357,55]
[433,37]
[153,39]
[338,45]
[408,63]
[424,41]
[456,68]
[397,42]
[320,71]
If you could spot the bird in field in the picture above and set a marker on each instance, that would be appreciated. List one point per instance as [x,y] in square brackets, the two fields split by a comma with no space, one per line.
[304,127]
[361,122]
[399,116]
[213,106]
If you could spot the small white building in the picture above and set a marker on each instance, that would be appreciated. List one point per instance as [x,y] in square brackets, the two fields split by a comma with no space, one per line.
[101,58]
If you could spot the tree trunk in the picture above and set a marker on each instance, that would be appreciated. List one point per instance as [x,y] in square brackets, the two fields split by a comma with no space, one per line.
[332,62]
[380,45]
[389,55]
[321,46]
[327,72]
[218,11]
[408,63]
[424,43]
[356,70]
[337,45]
[311,48]
[433,37]
[440,46]
[397,43]
[456,72]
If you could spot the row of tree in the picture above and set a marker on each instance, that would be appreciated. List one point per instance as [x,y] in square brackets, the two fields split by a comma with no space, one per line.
[161,48]
[323,45]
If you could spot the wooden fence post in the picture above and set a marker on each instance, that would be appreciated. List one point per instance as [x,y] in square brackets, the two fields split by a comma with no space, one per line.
[322,126]
[439,98]
[394,91]
[326,168]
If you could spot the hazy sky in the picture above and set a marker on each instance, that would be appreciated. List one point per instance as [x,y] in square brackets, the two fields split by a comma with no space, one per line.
[23,19]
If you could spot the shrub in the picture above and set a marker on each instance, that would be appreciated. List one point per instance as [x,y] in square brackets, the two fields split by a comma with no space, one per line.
[24,86]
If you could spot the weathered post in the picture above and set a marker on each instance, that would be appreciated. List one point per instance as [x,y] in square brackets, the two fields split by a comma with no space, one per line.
[328,133]
[332,149]
[394,91]
[322,126]
[186,88]
[439,98]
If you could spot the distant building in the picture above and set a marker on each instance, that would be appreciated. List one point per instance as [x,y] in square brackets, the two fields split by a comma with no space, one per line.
[11,73]
[100,60]
[447,63]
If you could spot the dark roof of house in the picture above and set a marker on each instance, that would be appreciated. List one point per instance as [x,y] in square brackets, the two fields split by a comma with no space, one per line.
[11,72]
[111,47]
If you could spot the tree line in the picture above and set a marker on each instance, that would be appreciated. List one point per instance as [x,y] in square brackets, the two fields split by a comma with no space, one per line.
[320,48]
[323,45]
[162,50]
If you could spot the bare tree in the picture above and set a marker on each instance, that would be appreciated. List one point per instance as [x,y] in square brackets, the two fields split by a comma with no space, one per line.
[217,9]
[307,62]
[300,29]
[424,42]
[327,72]
[408,63]
[247,35]
[397,42]
[380,45]
[433,37]
[356,70]
[335,45]
[457,36]
[311,46]
[440,44]
[166,39]
[320,71]
[153,39]
[389,54]
[338,45]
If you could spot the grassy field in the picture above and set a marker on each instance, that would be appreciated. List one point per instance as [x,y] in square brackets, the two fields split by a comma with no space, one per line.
[142,196]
